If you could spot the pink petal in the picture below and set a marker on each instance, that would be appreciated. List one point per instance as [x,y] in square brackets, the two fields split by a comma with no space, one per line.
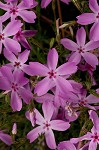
[67,68]
[0,47]
[6,138]
[59,125]
[48,109]
[92,99]
[9,55]
[86,18]
[26,16]
[39,118]
[7,73]
[12,28]
[91,45]
[12,45]
[81,36]
[23,57]
[44,86]
[38,69]
[46,97]
[91,59]
[93,5]
[5,16]
[94,118]
[34,134]
[75,57]
[45,3]
[4,6]
[16,102]
[66,145]
[94,32]
[26,95]
[4,84]
[92,145]
[29,33]
[52,59]
[66,1]
[69,44]
[50,139]
[63,84]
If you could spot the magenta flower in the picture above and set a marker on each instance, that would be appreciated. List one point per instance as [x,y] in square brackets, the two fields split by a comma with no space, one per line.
[53,77]
[46,125]
[5,138]
[22,35]
[15,83]
[89,18]
[92,136]
[14,10]
[17,63]
[45,3]
[80,49]
[10,30]
[66,145]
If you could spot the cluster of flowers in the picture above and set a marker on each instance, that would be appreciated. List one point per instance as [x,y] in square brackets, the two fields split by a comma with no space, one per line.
[60,107]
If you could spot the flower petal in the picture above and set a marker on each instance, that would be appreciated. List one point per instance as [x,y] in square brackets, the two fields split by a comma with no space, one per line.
[34,134]
[75,57]
[59,125]
[69,44]
[91,45]
[92,145]
[86,18]
[52,59]
[93,5]
[6,138]
[45,3]
[50,139]
[67,68]
[91,59]
[26,16]
[94,118]
[16,102]
[9,55]
[81,36]
[23,57]
[94,32]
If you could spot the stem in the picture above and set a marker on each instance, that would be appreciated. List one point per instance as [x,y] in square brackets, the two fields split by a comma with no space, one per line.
[60,15]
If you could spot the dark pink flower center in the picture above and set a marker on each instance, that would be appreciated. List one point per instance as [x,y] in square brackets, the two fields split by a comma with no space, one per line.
[95,137]
[82,102]
[14,86]
[17,64]
[52,74]
[19,33]
[1,36]
[97,16]
[46,125]
[81,50]
[13,10]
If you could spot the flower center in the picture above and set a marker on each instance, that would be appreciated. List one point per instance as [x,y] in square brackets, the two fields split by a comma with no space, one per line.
[81,50]
[1,36]
[13,10]
[82,102]
[14,86]
[46,125]
[17,64]
[97,16]
[95,137]
[52,74]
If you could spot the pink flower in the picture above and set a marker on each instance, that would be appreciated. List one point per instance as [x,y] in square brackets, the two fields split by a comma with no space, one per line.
[45,3]
[15,83]
[17,63]
[22,35]
[89,18]
[13,10]
[53,77]
[80,49]
[10,30]
[46,125]
[5,138]
[92,136]
[14,129]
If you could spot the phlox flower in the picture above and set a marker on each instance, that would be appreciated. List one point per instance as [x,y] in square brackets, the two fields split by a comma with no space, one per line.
[14,10]
[17,63]
[53,76]
[80,49]
[10,30]
[15,84]
[46,125]
[21,36]
[5,138]
[45,3]
[92,136]
[89,18]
